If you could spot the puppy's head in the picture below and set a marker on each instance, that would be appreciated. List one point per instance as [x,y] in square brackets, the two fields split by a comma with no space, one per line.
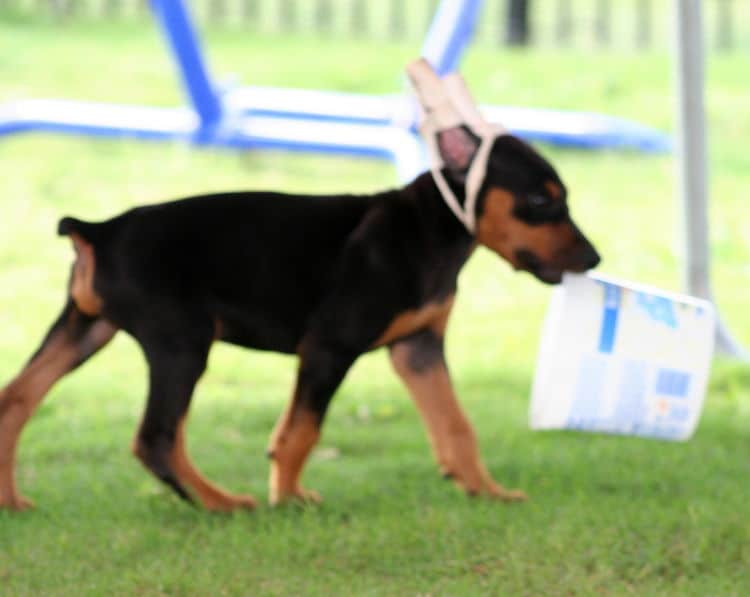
[523,215]
[514,201]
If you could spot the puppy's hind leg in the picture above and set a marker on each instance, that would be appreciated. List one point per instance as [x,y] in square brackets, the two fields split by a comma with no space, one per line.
[71,340]
[177,350]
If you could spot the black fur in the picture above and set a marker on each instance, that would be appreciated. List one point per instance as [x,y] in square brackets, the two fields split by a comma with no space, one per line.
[273,268]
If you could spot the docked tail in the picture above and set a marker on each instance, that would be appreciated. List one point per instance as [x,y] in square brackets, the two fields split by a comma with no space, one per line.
[86,230]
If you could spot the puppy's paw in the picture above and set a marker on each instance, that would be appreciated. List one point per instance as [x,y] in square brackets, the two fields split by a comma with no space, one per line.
[299,495]
[15,503]
[230,503]
[506,495]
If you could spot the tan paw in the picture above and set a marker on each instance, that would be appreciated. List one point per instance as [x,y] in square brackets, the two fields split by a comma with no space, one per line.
[230,503]
[508,495]
[498,492]
[483,485]
[298,495]
[16,503]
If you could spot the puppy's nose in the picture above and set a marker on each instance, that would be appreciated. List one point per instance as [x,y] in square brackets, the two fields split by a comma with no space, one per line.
[592,259]
[584,257]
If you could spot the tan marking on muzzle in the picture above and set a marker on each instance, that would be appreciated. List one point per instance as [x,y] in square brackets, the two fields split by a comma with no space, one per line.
[82,284]
[500,231]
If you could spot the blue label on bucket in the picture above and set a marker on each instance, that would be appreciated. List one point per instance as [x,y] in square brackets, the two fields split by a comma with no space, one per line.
[679,413]
[612,297]
[658,308]
[591,379]
[631,408]
[671,382]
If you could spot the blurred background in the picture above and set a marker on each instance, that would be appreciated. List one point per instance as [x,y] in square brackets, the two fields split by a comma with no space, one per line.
[640,25]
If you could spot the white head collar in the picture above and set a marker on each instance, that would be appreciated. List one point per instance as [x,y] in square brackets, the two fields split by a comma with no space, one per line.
[447,105]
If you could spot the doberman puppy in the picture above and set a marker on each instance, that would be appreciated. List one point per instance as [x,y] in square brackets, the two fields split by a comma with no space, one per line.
[325,277]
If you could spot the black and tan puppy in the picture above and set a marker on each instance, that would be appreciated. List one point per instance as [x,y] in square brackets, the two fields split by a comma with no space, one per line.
[325,277]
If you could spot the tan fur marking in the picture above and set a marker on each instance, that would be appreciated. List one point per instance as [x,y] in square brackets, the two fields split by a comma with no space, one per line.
[554,189]
[218,329]
[18,400]
[211,496]
[82,284]
[292,440]
[414,320]
[451,435]
[500,231]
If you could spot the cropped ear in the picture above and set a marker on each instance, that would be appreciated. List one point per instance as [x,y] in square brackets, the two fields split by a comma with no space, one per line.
[443,125]
[457,147]
[431,94]
[461,97]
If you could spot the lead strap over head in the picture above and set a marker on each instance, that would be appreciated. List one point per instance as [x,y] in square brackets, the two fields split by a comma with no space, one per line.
[447,106]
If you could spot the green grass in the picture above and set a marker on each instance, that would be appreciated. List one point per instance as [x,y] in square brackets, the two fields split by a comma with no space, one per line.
[608,515]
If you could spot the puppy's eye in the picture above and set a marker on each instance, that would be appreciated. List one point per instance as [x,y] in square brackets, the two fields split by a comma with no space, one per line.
[537,200]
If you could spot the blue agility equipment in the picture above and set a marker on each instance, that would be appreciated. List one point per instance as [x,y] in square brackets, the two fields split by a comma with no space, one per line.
[183,42]
[308,120]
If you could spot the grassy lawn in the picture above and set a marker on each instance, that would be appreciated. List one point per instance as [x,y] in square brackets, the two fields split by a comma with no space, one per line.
[608,515]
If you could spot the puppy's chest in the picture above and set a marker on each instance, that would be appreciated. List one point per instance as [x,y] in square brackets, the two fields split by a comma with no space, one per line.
[437,281]
[440,275]
[433,315]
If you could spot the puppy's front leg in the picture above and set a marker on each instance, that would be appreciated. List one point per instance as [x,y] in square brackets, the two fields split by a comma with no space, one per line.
[420,362]
[298,429]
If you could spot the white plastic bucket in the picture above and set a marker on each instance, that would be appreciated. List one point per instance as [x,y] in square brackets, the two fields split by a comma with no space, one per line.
[617,357]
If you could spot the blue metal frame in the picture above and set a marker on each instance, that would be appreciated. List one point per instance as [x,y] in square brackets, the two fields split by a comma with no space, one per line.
[309,120]
[185,45]
[450,32]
